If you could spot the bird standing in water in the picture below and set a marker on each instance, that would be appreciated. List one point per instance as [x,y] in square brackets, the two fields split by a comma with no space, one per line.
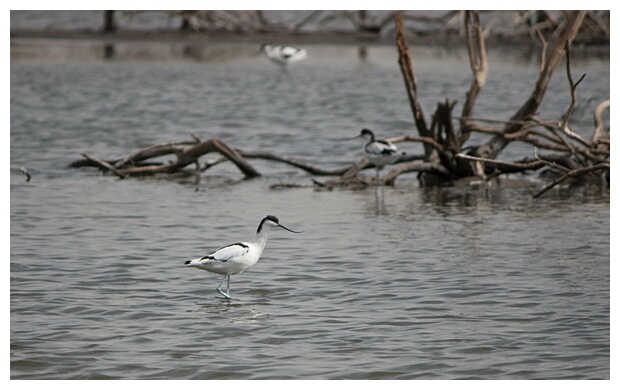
[378,151]
[284,55]
[236,258]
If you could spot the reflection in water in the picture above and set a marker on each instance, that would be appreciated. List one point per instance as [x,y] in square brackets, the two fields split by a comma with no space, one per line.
[362,53]
[380,200]
[451,196]
[108,51]
[231,311]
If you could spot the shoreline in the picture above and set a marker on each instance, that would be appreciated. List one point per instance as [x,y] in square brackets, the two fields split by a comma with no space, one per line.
[170,44]
[328,37]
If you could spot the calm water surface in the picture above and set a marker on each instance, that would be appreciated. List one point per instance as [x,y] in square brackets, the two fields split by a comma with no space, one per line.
[406,283]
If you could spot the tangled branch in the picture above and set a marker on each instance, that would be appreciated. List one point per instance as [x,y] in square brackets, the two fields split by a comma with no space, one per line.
[446,158]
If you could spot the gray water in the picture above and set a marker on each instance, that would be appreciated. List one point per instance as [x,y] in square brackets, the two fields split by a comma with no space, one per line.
[404,283]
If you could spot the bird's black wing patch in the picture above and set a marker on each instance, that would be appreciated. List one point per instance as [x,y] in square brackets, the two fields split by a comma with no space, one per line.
[228,251]
[389,150]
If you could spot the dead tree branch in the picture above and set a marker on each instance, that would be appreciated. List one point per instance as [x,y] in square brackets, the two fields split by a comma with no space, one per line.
[573,173]
[186,154]
[446,157]
[600,136]
[479,66]
[24,171]
[496,144]
[303,166]
[518,166]
[406,67]
[573,95]
[104,165]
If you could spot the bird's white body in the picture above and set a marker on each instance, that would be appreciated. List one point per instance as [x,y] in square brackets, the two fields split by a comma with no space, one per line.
[381,153]
[378,151]
[284,55]
[235,258]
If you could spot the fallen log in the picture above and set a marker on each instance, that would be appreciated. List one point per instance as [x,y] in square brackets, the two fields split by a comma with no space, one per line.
[186,154]
[104,165]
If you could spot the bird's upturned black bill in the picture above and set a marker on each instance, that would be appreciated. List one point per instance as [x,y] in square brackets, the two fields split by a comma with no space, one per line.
[292,231]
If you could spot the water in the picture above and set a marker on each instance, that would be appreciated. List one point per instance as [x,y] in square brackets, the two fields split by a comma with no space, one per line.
[411,283]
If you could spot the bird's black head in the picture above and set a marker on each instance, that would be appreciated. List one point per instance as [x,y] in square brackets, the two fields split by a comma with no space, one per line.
[367,134]
[272,220]
[268,219]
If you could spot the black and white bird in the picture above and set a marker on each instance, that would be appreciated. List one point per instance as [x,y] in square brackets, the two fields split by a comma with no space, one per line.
[378,151]
[236,258]
[283,55]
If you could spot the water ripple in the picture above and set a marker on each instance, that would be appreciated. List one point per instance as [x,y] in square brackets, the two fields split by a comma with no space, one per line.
[440,283]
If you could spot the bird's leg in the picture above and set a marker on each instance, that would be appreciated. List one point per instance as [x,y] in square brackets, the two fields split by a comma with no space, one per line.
[228,287]
[377,176]
[218,289]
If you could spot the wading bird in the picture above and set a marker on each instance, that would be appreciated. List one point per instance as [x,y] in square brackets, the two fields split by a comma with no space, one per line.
[284,55]
[379,152]
[236,258]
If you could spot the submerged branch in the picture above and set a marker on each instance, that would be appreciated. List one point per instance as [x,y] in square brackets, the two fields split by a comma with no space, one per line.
[186,154]
[573,173]
[415,166]
[104,165]
[306,167]
[24,171]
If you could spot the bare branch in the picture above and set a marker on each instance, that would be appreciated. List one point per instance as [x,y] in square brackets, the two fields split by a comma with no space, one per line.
[103,165]
[414,138]
[25,172]
[552,57]
[599,131]
[150,152]
[544,44]
[404,61]
[573,173]
[479,66]
[306,167]
[522,166]
[551,164]
[573,101]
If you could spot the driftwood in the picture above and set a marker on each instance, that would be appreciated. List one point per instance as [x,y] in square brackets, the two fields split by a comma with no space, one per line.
[446,158]
[186,154]
[479,66]
[303,166]
[104,165]
[24,171]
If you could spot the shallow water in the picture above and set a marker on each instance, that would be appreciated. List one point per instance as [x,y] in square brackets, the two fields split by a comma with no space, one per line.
[404,283]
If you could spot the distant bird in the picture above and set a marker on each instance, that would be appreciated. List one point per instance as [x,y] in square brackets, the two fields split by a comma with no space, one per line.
[284,55]
[378,151]
[235,258]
